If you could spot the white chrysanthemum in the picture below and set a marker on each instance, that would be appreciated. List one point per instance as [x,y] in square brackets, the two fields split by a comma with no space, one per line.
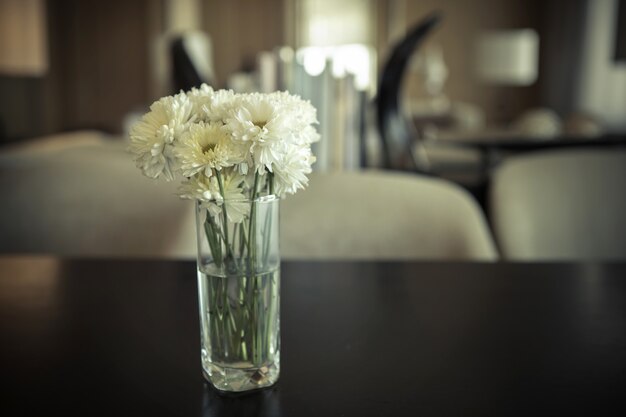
[200,98]
[210,105]
[266,155]
[152,137]
[222,102]
[198,187]
[300,112]
[204,134]
[306,136]
[268,122]
[256,118]
[207,190]
[206,147]
[290,172]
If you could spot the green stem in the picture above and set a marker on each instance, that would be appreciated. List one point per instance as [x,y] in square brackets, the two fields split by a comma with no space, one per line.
[242,241]
[270,179]
[267,234]
[223,321]
[273,301]
[229,250]
[236,234]
[268,221]
[243,308]
[212,233]
[252,225]
[256,336]
[214,329]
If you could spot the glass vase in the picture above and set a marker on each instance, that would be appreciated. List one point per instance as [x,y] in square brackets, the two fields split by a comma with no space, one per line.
[239,292]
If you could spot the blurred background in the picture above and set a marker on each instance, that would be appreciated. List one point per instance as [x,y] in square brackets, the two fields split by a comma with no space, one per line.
[495,83]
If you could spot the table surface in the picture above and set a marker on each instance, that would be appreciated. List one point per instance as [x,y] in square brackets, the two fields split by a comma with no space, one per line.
[115,337]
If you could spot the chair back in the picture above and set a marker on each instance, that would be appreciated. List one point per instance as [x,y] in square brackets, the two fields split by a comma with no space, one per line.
[383,215]
[561,205]
[394,128]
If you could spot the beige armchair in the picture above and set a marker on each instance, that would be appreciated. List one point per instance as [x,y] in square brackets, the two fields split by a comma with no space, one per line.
[561,205]
[382,215]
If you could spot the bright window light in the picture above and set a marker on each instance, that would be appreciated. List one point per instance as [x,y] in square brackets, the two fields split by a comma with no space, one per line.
[345,59]
[314,60]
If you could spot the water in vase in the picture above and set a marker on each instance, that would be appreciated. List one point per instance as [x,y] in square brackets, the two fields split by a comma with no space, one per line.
[240,328]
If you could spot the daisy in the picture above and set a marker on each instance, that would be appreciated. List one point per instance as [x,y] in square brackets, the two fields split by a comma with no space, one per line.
[200,98]
[206,147]
[238,138]
[290,173]
[300,112]
[220,106]
[152,137]
[198,187]
[257,119]
[207,190]
[306,136]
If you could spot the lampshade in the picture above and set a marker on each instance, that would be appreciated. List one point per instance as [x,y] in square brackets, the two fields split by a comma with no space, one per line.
[507,57]
[23,48]
[324,23]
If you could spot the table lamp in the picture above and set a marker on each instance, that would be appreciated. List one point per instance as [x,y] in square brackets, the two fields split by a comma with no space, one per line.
[507,57]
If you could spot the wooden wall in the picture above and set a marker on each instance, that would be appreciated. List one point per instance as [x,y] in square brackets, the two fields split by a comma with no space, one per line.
[240,29]
[101,66]
[98,53]
[99,62]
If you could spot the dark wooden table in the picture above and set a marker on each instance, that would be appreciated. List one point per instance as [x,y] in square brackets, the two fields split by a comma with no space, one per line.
[494,147]
[522,144]
[121,338]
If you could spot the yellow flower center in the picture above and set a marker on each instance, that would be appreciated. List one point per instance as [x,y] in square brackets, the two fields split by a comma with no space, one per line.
[208,147]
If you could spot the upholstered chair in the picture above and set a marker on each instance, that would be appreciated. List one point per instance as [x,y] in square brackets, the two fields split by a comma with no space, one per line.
[561,205]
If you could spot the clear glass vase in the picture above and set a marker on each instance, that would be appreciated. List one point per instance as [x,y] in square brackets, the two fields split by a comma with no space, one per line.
[239,292]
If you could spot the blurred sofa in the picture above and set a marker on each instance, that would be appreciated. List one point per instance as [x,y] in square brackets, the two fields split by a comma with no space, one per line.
[79,194]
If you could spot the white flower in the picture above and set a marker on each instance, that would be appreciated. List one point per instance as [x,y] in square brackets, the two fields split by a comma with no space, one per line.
[258,120]
[237,206]
[205,147]
[306,136]
[256,117]
[220,106]
[200,98]
[290,172]
[210,105]
[207,190]
[211,136]
[300,112]
[198,187]
[152,137]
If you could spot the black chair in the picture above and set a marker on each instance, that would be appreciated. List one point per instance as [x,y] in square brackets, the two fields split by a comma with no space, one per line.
[184,73]
[396,130]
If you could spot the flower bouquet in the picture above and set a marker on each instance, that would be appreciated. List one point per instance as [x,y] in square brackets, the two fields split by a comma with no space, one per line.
[237,156]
